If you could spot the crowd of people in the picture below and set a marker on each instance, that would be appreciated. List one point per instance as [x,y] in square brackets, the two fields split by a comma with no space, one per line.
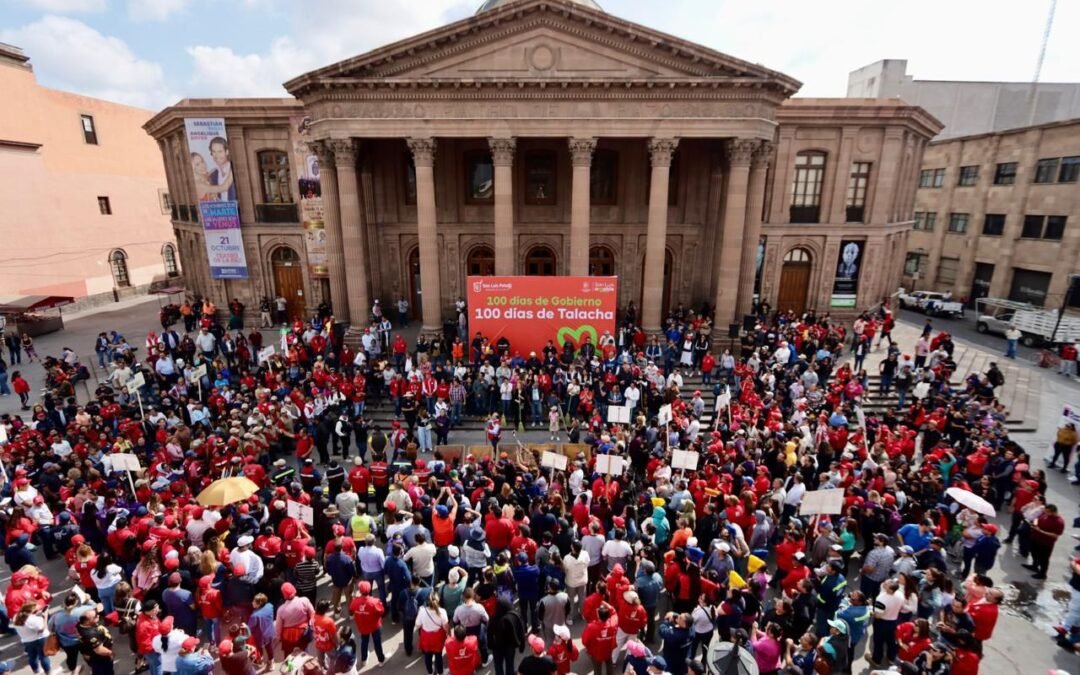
[478,559]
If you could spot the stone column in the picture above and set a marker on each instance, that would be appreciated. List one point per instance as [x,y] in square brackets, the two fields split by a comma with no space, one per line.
[354,246]
[581,151]
[335,251]
[739,153]
[759,166]
[660,152]
[502,156]
[423,150]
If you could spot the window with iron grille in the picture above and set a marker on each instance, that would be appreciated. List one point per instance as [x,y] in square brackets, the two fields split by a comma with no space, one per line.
[104,206]
[88,129]
[118,263]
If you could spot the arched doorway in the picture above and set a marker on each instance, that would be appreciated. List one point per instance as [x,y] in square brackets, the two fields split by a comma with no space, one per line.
[289,280]
[480,262]
[540,261]
[601,262]
[794,281]
[415,291]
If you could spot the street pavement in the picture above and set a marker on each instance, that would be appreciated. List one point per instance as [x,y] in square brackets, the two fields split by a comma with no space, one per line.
[1021,644]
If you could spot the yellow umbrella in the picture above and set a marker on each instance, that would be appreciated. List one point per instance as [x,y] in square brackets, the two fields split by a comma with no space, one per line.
[736,581]
[227,491]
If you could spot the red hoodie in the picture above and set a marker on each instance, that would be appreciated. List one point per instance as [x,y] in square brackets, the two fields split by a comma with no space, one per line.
[367,613]
[599,638]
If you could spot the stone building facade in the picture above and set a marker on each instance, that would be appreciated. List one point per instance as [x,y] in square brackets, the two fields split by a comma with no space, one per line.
[546,137]
[997,215]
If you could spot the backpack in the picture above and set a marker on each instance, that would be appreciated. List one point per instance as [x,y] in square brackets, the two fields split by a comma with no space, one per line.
[412,607]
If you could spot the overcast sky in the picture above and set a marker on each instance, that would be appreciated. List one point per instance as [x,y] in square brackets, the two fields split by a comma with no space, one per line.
[152,53]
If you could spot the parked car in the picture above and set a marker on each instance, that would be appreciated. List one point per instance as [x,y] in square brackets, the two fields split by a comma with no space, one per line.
[1037,325]
[931,303]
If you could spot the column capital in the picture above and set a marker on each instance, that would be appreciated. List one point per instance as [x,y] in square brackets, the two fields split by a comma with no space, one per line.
[661,150]
[423,151]
[344,152]
[581,150]
[502,151]
[740,151]
[762,155]
[323,150]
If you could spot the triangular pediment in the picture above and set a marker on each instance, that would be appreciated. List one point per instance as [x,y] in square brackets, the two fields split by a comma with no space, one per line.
[545,52]
[540,40]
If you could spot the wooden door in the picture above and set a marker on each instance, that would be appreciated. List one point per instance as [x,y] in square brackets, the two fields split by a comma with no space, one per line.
[289,283]
[794,285]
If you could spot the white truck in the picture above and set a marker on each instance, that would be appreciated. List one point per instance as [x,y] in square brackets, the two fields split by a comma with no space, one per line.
[1035,323]
[930,303]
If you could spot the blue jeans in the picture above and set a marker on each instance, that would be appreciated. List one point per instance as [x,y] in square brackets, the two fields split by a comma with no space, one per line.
[455,414]
[153,661]
[107,596]
[5,390]
[423,435]
[377,579]
[376,640]
[1010,348]
[35,653]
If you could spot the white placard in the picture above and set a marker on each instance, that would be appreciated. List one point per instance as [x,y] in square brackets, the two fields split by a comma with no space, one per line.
[824,502]
[611,464]
[135,383]
[304,514]
[197,373]
[266,353]
[663,416]
[685,459]
[124,461]
[3,434]
[618,414]
[861,417]
[554,460]
[723,400]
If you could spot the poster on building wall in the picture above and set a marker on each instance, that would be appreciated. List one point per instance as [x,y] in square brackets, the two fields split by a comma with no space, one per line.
[310,191]
[529,311]
[759,263]
[845,289]
[215,184]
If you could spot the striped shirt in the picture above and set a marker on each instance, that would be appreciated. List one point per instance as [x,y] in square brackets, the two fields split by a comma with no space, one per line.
[307,573]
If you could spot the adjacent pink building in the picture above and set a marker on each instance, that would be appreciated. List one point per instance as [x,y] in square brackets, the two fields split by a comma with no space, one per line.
[88,211]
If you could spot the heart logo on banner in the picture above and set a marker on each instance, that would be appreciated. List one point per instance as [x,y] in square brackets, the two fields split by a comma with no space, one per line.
[577,336]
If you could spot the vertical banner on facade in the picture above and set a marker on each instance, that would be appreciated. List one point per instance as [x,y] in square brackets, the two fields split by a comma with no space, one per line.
[215,184]
[846,283]
[759,263]
[529,311]
[311,203]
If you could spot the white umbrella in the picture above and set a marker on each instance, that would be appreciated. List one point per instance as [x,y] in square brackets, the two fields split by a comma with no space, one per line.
[972,501]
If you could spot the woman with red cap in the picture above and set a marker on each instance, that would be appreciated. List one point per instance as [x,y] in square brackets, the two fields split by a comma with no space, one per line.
[293,620]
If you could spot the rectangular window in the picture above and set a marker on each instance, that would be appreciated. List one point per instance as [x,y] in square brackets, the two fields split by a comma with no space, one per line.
[1046,170]
[274,172]
[1033,226]
[540,178]
[915,263]
[104,206]
[947,269]
[479,178]
[806,188]
[926,178]
[1005,174]
[958,222]
[1070,170]
[919,217]
[88,130]
[856,193]
[931,220]
[969,175]
[994,225]
[1055,228]
[939,177]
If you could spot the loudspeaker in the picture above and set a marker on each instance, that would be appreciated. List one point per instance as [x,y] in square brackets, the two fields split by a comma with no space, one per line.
[733,330]
[748,322]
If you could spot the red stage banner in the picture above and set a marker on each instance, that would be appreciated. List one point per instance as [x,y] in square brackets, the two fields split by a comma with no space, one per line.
[529,311]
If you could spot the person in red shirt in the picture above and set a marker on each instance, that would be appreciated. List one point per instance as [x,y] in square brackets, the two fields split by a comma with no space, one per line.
[147,625]
[368,613]
[984,612]
[499,531]
[599,640]
[563,651]
[211,605]
[633,618]
[462,652]
[799,572]
[913,638]
[324,629]
[360,478]
[1044,534]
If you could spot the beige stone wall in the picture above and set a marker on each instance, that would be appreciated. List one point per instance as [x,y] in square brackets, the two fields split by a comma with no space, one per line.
[1009,250]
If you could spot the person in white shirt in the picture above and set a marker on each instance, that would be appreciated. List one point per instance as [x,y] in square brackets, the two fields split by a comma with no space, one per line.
[887,607]
[576,565]
[422,555]
[168,646]
[577,477]
[617,551]
[794,496]
[243,555]
[32,628]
